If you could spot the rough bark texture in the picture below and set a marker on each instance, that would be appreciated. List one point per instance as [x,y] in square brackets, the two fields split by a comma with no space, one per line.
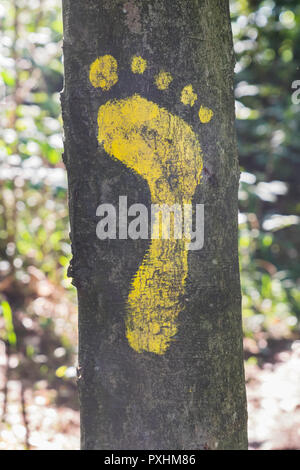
[193,396]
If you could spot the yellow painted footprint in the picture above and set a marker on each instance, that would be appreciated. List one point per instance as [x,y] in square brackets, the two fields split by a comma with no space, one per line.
[161,147]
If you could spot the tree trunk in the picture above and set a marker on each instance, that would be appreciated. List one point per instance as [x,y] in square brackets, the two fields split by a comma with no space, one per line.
[148,113]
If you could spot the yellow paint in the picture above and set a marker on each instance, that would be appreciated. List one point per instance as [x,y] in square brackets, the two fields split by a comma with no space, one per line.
[138,65]
[160,147]
[205,114]
[188,97]
[163,80]
[103,72]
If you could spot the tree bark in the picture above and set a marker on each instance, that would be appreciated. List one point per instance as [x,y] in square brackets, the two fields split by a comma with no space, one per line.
[138,388]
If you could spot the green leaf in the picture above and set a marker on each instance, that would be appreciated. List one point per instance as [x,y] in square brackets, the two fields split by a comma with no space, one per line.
[10,335]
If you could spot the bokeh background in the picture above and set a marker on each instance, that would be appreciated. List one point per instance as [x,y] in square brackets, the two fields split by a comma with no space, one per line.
[38,314]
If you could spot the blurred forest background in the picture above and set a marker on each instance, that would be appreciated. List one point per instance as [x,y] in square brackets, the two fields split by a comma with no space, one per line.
[38,316]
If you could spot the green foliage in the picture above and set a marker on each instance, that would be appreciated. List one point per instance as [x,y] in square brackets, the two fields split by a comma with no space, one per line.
[9,331]
[267,36]
[38,314]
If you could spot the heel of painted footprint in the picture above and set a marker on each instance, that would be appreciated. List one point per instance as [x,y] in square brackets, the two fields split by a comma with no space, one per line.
[164,150]
[155,299]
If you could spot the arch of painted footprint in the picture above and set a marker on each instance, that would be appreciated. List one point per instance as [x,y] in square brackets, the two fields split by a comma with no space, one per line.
[157,145]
